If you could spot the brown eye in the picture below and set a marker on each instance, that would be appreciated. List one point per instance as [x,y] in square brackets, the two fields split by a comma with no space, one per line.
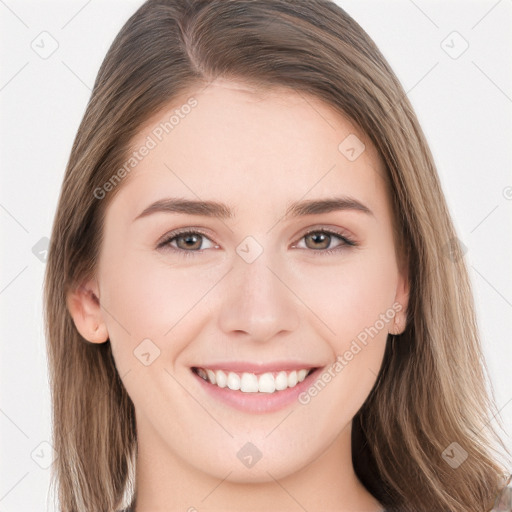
[320,240]
[185,242]
[190,241]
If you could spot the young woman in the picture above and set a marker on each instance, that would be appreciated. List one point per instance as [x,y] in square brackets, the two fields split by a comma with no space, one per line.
[255,298]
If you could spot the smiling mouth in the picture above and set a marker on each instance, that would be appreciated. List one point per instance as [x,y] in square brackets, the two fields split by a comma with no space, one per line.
[246,382]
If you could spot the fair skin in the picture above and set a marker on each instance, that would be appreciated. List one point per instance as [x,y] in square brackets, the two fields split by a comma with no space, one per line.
[256,153]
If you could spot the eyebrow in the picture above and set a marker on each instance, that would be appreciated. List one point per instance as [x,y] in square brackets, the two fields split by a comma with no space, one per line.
[222,211]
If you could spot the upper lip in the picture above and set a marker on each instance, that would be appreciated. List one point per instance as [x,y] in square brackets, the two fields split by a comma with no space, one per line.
[251,367]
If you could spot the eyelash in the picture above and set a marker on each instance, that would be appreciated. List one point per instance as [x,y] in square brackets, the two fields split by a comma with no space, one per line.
[347,242]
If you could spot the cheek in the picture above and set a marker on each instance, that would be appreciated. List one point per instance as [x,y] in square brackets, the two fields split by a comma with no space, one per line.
[351,296]
[354,304]
[146,298]
[136,296]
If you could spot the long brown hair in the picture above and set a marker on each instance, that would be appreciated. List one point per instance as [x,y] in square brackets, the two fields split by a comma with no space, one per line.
[430,396]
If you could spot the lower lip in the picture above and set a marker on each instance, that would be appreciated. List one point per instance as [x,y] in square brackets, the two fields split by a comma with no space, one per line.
[258,402]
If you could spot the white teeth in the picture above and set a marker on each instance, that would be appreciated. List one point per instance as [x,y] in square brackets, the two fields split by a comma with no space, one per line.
[221,379]
[301,375]
[233,381]
[292,379]
[211,376]
[250,383]
[282,381]
[266,383]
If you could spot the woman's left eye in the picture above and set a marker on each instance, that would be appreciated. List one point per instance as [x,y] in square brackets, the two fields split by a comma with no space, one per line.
[190,242]
[323,236]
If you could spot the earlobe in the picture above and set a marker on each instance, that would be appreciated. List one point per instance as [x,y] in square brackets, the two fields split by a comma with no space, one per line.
[402,298]
[398,325]
[84,307]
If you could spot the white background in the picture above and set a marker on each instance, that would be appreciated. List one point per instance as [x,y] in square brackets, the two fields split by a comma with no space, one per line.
[464,105]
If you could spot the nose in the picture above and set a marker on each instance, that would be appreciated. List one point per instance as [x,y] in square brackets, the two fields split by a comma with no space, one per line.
[258,301]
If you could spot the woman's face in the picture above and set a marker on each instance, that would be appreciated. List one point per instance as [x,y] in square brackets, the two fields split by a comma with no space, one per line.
[256,287]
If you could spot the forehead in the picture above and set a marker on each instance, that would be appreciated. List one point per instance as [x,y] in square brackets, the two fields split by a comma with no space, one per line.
[230,140]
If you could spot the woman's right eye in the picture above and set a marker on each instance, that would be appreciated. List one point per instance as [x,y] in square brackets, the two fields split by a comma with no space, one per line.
[190,242]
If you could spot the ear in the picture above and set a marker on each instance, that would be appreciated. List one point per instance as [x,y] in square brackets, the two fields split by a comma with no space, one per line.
[402,298]
[84,306]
